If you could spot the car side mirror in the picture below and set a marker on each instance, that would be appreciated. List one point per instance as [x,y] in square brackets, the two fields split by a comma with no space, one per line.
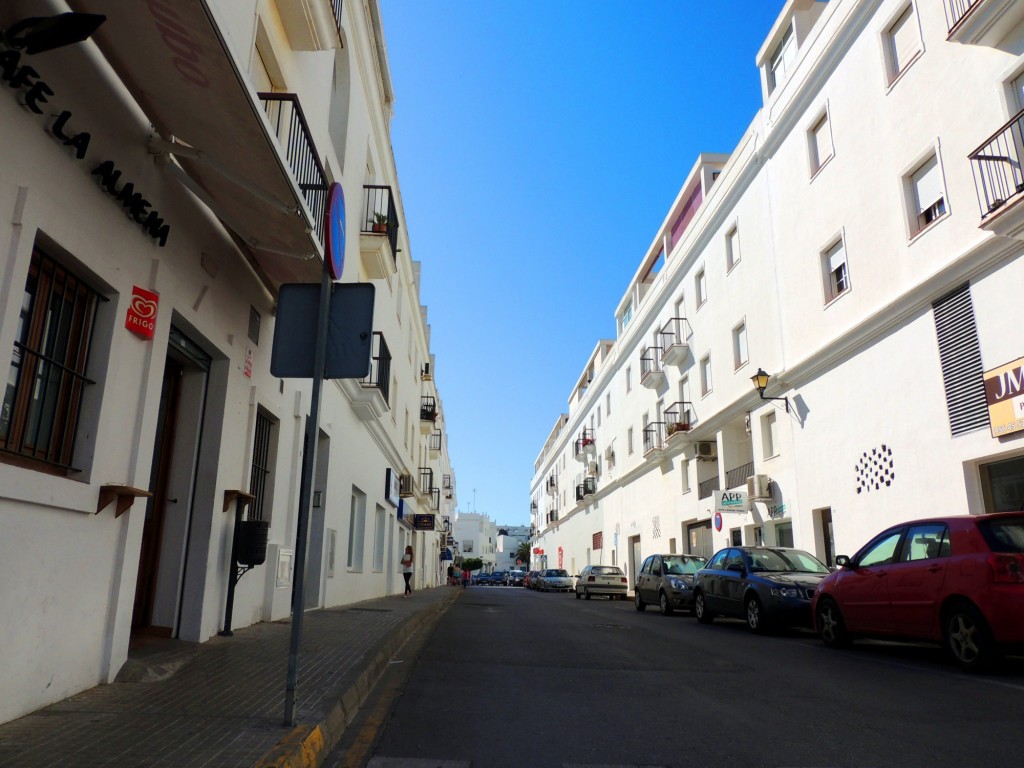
[842,561]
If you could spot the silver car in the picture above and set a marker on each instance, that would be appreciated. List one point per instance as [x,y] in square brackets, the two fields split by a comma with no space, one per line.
[667,580]
[555,580]
[601,580]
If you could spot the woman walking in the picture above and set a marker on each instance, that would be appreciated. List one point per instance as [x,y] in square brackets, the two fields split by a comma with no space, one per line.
[407,569]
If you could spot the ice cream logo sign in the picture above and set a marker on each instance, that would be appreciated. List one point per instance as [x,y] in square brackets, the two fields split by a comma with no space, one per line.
[1004,394]
[141,319]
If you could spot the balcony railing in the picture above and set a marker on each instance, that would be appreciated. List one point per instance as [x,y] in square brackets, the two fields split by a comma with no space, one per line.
[426,480]
[674,336]
[435,499]
[447,483]
[289,124]
[579,492]
[734,478]
[706,487]
[654,437]
[584,447]
[336,7]
[428,408]
[552,485]
[956,10]
[589,486]
[380,366]
[651,373]
[997,166]
[679,418]
[379,215]
[434,441]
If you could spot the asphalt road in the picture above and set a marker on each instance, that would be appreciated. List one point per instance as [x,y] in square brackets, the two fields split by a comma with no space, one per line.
[511,677]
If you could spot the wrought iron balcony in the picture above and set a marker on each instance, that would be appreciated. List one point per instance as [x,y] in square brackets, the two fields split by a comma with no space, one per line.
[589,486]
[292,131]
[435,499]
[654,439]
[380,366]
[675,341]
[585,448]
[428,413]
[982,22]
[378,232]
[956,10]
[370,397]
[652,375]
[552,485]
[736,478]
[707,487]
[679,419]
[434,442]
[579,492]
[997,168]
[426,485]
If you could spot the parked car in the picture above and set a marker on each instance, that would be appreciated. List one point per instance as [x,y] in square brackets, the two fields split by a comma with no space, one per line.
[765,585]
[515,578]
[497,579]
[554,580]
[483,579]
[668,581]
[530,580]
[958,581]
[601,580]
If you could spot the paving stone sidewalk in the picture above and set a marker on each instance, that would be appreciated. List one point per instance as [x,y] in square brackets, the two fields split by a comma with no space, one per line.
[222,705]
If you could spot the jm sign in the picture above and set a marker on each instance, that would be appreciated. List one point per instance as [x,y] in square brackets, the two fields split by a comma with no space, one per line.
[1004,394]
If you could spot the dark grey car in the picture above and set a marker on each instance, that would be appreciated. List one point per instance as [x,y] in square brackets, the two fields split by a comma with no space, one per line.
[764,585]
[667,580]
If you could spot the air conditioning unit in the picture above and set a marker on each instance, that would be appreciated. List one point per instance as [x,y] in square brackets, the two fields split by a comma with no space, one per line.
[758,487]
[593,468]
[706,450]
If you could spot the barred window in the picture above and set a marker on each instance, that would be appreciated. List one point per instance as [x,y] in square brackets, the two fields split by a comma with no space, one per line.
[261,465]
[46,382]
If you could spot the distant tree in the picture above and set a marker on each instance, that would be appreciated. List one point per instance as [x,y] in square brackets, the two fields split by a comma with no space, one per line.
[473,563]
[523,552]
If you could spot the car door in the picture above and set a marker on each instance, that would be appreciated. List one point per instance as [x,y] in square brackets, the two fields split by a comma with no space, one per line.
[916,581]
[643,579]
[710,577]
[732,583]
[864,587]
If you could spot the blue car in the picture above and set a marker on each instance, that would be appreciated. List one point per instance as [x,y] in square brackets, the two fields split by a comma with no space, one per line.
[766,586]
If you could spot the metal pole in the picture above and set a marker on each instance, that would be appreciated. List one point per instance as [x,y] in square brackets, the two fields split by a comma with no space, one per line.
[309,465]
[233,573]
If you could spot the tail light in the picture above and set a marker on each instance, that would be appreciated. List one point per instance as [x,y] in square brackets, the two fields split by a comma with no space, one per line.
[1007,569]
[591,578]
[623,580]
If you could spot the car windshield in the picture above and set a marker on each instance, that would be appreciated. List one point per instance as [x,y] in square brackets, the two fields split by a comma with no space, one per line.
[684,565]
[1006,535]
[555,573]
[782,560]
[606,570]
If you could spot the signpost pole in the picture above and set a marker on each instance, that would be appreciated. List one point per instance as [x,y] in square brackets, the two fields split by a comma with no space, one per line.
[305,495]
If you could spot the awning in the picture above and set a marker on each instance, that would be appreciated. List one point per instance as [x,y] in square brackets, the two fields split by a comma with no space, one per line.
[171,57]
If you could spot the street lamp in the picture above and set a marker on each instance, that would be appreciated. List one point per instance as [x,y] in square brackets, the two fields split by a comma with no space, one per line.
[760,382]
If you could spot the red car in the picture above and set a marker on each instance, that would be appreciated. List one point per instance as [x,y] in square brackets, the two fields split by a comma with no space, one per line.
[958,581]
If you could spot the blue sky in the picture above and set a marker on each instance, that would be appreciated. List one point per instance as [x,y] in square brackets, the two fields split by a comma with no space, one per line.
[539,145]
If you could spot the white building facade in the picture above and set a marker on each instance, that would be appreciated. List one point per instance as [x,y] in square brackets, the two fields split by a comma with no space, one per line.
[161,180]
[476,536]
[510,538]
[862,246]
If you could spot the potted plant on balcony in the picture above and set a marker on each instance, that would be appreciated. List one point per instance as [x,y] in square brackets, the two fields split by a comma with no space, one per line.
[678,427]
[380,222]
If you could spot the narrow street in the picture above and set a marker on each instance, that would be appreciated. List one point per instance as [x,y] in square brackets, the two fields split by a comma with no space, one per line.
[532,679]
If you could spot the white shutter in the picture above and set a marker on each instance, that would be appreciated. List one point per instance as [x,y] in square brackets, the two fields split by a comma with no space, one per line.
[822,142]
[905,40]
[927,183]
[836,257]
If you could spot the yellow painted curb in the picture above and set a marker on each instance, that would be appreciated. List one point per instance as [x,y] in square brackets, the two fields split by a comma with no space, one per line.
[299,748]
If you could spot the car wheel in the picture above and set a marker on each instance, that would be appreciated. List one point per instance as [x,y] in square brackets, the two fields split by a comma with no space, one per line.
[968,639]
[577,595]
[755,615]
[700,609]
[831,627]
[664,604]
[586,593]
[639,601]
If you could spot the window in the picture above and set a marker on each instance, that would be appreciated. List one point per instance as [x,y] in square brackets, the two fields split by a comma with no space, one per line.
[264,442]
[629,440]
[820,143]
[254,326]
[902,43]
[356,529]
[929,196]
[768,436]
[705,375]
[599,415]
[925,542]
[608,404]
[46,384]
[837,278]
[378,538]
[784,535]
[684,469]
[700,284]
[627,315]
[732,253]
[881,551]
[739,345]
[629,379]
[781,61]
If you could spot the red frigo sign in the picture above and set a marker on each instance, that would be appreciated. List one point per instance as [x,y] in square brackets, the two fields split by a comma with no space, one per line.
[141,319]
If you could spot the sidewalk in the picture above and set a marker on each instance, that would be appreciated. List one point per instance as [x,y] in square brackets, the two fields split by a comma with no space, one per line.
[221,703]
